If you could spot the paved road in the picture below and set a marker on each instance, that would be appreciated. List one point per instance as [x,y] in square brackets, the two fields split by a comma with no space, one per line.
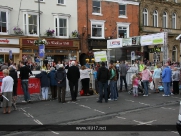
[154,109]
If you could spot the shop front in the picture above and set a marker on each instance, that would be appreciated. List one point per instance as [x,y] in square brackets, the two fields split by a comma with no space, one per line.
[9,49]
[55,50]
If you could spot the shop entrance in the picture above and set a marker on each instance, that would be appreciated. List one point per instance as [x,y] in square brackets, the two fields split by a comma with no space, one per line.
[59,58]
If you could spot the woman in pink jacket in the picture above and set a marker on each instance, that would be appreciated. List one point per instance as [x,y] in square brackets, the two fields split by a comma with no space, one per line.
[145,78]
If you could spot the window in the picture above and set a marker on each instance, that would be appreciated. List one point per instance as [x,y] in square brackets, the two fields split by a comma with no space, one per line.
[97,29]
[123,30]
[175,1]
[145,17]
[61,2]
[155,18]
[96,7]
[31,24]
[61,27]
[174,54]
[3,22]
[164,19]
[122,10]
[174,21]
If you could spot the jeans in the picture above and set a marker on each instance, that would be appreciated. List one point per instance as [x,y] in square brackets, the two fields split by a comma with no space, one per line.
[72,90]
[44,91]
[166,86]
[113,90]
[117,89]
[135,91]
[24,85]
[145,83]
[101,87]
[123,78]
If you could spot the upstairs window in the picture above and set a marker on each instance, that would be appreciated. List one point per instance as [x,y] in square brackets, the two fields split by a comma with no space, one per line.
[173,21]
[3,21]
[155,18]
[122,10]
[96,7]
[62,2]
[61,27]
[164,19]
[145,17]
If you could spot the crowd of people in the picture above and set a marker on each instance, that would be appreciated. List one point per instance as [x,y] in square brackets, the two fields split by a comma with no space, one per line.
[106,80]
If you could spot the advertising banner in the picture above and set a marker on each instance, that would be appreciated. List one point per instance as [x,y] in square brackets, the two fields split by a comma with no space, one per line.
[152,39]
[10,54]
[131,41]
[100,56]
[115,43]
[41,50]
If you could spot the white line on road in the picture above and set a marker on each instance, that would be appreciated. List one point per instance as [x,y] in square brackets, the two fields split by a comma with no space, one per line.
[120,117]
[144,123]
[54,132]
[27,115]
[85,106]
[129,100]
[175,132]
[143,103]
[75,102]
[23,109]
[99,111]
[167,108]
[30,115]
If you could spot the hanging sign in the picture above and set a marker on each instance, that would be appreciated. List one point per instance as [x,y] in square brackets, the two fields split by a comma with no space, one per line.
[100,56]
[10,54]
[132,55]
[41,50]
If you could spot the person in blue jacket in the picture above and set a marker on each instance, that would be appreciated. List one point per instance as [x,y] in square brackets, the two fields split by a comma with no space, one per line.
[166,79]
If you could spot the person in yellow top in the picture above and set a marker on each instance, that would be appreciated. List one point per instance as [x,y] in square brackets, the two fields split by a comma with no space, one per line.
[44,67]
[141,66]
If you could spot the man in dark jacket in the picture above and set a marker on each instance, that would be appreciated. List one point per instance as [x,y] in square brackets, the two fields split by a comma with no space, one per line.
[103,77]
[45,83]
[24,76]
[60,76]
[14,75]
[123,72]
[53,82]
[73,76]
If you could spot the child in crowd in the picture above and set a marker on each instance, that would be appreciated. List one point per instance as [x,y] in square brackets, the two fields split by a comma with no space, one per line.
[135,85]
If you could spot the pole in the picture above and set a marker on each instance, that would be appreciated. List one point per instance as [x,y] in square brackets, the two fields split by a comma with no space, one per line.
[39,19]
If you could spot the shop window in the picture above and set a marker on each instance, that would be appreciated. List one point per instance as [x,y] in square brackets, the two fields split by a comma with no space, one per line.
[61,27]
[1,58]
[35,51]
[123,30]
[174,54]
[31,24]
[27,51]
[96,9]
[49,51]
[97,29]
[122,10]
[164,19]
[174,21]
[155,18]
[145,17]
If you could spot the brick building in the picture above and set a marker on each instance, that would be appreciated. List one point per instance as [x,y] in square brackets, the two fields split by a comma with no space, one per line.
[100,20]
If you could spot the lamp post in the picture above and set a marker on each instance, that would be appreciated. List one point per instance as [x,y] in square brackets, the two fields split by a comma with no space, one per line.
[39,19]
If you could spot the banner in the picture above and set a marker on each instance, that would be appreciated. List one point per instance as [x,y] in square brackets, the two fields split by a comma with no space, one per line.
[100,56]
[131,41]
[41,50]
[152,39]
[132,55]
[115,43]
[10,54]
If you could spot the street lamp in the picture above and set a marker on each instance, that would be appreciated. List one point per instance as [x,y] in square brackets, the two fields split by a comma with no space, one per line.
[39,18]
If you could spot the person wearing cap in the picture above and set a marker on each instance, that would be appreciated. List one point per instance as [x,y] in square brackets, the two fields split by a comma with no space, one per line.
[60,77]
[45,83]
[73,76]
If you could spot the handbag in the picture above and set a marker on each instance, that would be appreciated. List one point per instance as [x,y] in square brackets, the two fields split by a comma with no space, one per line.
[81,92]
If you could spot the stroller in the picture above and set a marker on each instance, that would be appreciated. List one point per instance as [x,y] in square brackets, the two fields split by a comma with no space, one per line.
[140,86]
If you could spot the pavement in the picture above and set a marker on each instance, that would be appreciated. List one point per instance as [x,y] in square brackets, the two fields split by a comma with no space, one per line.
[127,110]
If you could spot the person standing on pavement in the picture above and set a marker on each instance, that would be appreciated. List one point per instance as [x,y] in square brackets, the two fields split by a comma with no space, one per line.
[25,72]
[103,77]
[45,83]
[175,79]
[146,74]
[60,77]
[141,66]
[156,77]
[113,80]
[6,90]
[85,79]
[53,83]
[73,76]
[123,72]
[14,75]
[166,79]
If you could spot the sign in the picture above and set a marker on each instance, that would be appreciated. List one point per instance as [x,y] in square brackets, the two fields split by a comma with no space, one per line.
[152,50]
[115,43]
[50,42]
[10,54]
[132,55]
[100,56]
[9,41]
[131,41]
[6,50]
[41,50]
[152,39]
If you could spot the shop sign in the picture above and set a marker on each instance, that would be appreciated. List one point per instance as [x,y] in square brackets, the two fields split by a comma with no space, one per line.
[131,41]
[115,43]
[50,42]
[152,50]
[152,39]
[9,41]
[7,50]
[100,56]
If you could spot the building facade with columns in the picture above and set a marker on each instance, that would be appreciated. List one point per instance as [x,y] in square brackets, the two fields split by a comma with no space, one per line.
[161,16]
[21,25]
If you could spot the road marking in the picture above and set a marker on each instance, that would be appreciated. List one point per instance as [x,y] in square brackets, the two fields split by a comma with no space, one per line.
[85,106]
[129,100]
[144,103]
[99,111]
[27,115]
[144,123]
[30,115]
[23,109]
[54,132]
[175,97]
[75,102]
[120,117]
[175,132]
[38,122]
[167,108]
